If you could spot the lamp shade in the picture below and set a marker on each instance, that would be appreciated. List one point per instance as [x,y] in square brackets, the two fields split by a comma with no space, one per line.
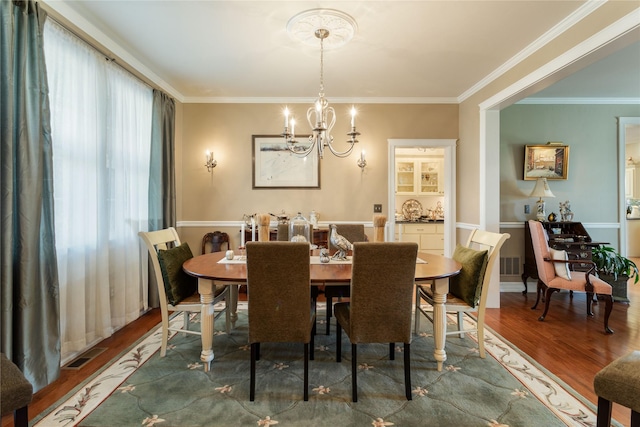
[541,189]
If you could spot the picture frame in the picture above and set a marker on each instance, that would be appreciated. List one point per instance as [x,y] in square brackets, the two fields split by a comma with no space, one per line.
[549,161]
[275,166]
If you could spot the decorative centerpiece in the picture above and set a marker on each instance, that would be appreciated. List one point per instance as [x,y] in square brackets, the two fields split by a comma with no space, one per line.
[339,242]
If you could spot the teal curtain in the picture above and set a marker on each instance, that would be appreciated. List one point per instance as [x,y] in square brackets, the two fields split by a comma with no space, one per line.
[162,183]
[30,309]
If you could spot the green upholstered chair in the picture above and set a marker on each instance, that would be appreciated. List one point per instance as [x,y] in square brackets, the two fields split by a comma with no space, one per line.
[379,307]
[15,392]
[619,382]
[469,290]
[280,306]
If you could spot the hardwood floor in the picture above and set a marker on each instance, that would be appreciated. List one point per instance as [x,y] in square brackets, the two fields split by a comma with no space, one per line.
[567,343]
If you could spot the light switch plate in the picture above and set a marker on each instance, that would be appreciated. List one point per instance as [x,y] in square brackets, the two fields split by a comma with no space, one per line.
[377,208]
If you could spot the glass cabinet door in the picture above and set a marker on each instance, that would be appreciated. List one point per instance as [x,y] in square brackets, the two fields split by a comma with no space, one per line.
[405,177]
[430,176]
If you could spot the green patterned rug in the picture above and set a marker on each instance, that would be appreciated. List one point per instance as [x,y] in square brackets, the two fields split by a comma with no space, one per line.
[141,389]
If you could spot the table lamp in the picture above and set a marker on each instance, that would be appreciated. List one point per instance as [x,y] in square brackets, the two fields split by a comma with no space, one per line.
[541,190]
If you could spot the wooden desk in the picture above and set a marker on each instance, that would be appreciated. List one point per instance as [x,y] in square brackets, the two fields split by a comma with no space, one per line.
[207,269]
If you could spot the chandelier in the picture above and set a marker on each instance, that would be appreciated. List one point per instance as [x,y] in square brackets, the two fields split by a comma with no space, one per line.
[321,117]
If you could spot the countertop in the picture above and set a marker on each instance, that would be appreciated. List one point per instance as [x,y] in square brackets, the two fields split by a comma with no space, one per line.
[431,221]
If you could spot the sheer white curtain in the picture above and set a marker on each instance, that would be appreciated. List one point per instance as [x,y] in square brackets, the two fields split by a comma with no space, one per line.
[101,129]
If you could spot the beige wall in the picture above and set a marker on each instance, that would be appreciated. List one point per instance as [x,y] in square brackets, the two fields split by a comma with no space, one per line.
[346,193]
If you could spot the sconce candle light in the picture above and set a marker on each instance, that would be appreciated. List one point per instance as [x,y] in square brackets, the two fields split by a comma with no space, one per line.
[362,162]
[211,162]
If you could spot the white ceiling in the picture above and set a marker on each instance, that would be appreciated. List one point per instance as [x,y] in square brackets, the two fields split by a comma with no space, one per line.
[403,51]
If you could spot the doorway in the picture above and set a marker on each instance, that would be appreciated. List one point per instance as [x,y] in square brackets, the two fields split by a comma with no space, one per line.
[448,186]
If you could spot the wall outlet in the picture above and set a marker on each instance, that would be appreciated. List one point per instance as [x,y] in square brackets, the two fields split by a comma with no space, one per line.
[527,209]
[377,208]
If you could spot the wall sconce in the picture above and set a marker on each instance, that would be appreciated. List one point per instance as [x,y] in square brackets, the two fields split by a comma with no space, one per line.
[362,162]
[211,162]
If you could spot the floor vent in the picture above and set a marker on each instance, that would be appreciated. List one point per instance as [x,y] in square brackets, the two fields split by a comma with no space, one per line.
[510,266]
[79,361]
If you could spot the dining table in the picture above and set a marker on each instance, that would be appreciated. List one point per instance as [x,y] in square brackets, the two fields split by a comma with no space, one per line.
[214,269]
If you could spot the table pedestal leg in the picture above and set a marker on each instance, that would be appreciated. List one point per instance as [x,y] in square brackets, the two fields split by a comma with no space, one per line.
[440,290]
[205,289]
[233,304]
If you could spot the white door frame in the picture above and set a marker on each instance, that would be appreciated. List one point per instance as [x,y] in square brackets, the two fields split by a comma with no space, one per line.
[449,205]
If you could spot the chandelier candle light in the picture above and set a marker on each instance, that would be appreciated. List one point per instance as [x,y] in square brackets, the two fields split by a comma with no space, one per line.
[321,117]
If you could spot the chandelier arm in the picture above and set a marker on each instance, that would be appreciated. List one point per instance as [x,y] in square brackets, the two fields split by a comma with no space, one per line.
[342,153]
[291,144]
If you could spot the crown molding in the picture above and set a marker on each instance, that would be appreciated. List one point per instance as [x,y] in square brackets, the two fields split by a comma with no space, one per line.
[540,42]
[296,100]
[570,101]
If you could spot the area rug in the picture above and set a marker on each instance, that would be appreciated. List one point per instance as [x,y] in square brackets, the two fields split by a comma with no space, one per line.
[142,389]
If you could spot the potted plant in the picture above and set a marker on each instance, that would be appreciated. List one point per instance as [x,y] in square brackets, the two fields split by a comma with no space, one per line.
[615,269]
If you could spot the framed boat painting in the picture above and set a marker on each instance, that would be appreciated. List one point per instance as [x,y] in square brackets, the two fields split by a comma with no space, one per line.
[546,161]
[275,166]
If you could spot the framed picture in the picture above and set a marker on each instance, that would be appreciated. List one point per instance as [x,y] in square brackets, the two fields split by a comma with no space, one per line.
[275,166]
[546,161]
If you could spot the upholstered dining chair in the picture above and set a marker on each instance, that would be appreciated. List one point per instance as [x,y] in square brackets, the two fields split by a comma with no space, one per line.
[386,268]
[353,233]
[554,275]
[177,291]
[280,307]
[469,290]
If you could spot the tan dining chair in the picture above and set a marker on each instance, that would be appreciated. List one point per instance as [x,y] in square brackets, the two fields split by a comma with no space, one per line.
[279,300]
[379,309]
[468,291]
[353,233]
[177,290]
[554,275]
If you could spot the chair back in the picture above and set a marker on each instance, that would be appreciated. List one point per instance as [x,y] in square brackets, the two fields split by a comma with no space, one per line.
[156,240]
[382,282]
[352,232]
[540,244]
[279,291]
[491,242]
[215,240]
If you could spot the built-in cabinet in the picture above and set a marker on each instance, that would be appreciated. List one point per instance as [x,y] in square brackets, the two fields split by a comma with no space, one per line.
[429,237]
[419,176]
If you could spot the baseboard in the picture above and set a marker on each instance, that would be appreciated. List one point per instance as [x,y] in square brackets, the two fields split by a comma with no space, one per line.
[516,287]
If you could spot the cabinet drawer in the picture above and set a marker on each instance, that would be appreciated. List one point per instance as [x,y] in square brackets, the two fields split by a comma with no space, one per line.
[432,241]
[420,228]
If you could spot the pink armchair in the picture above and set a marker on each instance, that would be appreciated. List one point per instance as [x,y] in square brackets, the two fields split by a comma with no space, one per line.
[549,281]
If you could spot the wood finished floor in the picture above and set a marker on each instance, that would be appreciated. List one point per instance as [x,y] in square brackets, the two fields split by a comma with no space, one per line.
[567,343]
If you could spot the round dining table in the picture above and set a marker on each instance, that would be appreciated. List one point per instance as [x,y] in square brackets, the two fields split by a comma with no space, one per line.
[211,270]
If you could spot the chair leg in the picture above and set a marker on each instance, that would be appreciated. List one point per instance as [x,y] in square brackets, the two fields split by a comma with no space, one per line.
[354,372]
[407,370]
[480,330]
[608,300]
[165,335]
[257,351]
[338,342]
[306,372]
[329,312]
[185,321]
[461,324]
[312,341]
[589,303]
[635,418]
[21,417]
[539,287]
[392,351]
[547,297]
[252,381]
[227,309]
[604,412]
[417,312]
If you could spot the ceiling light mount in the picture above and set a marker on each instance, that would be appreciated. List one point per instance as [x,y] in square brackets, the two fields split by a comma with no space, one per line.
[320,23]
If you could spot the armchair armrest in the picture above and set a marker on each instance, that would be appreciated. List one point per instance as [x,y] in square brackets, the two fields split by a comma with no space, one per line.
[588,286]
